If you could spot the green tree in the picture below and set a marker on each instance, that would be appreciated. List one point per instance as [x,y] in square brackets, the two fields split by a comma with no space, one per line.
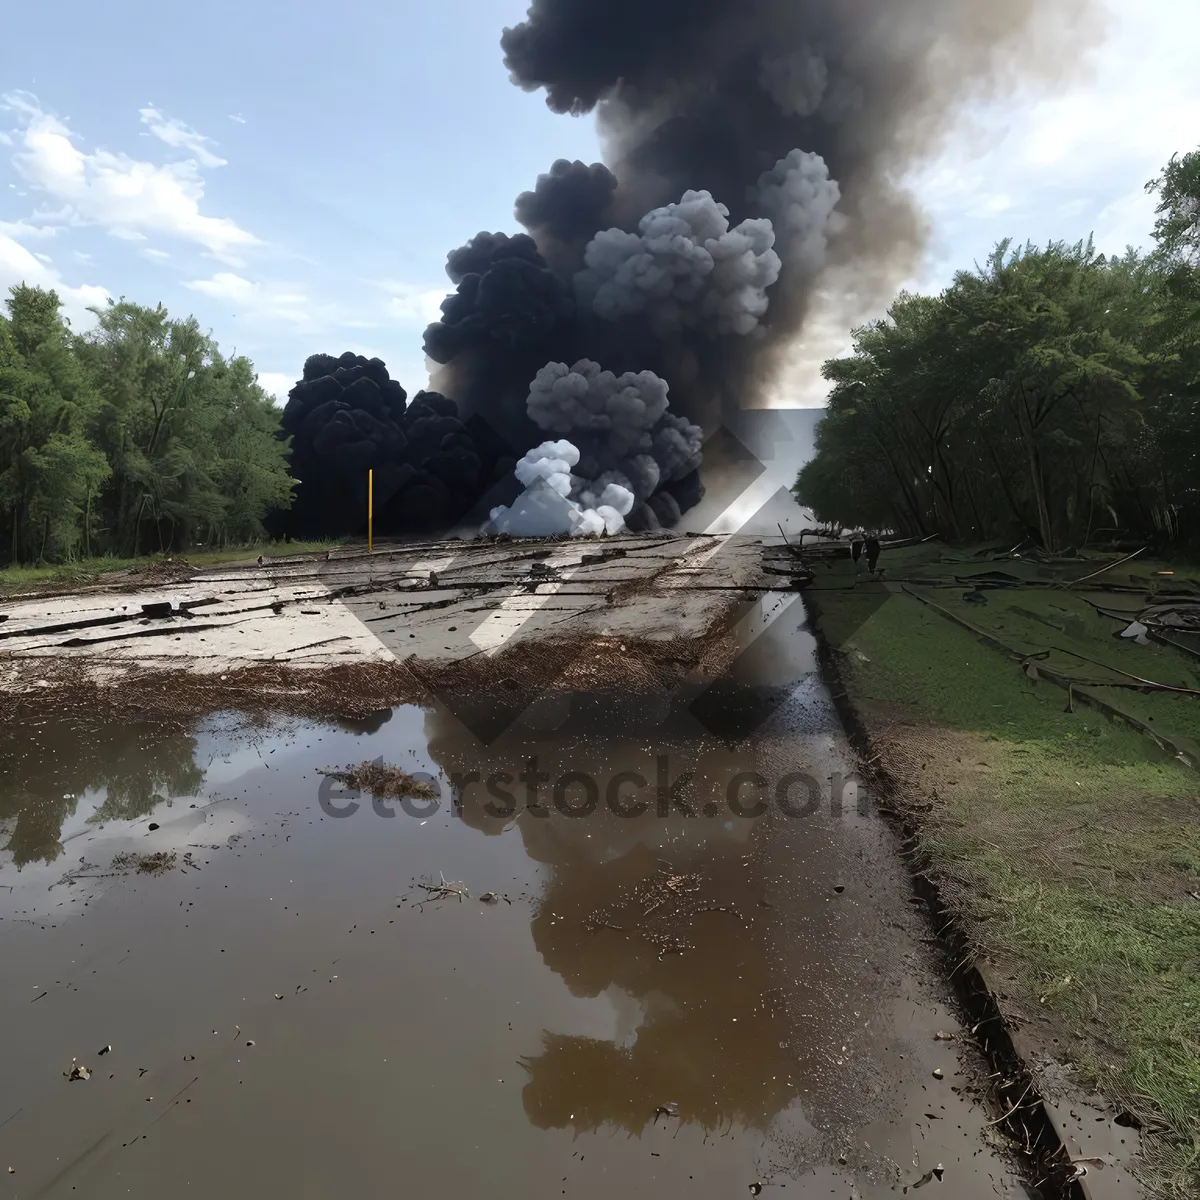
[49,468]
[1049,392]
[192,439]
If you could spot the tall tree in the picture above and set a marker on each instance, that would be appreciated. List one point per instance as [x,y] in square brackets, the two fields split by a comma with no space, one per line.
[191,437]
[49,468]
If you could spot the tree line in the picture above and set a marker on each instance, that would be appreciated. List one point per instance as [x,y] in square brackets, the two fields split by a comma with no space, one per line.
[1050,393]
[133,438]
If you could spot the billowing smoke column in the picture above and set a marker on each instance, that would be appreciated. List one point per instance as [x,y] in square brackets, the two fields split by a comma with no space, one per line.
[346,416]
[756,156]
[622,449]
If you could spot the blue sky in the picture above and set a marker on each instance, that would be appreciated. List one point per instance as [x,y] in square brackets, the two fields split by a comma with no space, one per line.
[294,174]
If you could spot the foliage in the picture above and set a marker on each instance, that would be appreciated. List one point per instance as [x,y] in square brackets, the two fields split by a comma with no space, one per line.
[1049,393]
[136,437]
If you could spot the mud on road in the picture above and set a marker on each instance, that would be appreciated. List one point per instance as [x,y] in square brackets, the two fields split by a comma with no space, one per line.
[648,939]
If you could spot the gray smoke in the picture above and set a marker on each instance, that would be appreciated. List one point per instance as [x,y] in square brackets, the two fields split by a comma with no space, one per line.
[796,81]
[587,398]
[684,267]
[800,199]
[626,436]
[804,113]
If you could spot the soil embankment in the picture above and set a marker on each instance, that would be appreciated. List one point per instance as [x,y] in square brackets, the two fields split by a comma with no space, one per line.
[1045,766]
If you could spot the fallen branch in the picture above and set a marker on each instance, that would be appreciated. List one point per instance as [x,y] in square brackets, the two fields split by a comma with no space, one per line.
[1127,558]
[1148,684]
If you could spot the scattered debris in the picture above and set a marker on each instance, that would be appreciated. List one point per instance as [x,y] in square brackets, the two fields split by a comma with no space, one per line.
[146,864]
[1137,631]
[103,1050]
[938,1073]
[943,1036]
[928,1177]
[489,898]
[443,890]
[153,826]
[77,1071]
[382,780]
[660,907]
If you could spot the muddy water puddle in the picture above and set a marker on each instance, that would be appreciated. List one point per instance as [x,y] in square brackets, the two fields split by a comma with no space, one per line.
[624,953]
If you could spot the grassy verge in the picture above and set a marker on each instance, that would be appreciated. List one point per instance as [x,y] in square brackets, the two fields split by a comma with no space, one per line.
[82,571]
[1067,843]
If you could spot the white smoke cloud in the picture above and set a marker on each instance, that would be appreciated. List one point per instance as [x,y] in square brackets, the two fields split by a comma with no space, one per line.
[800,199]
[546,507]
[684,267]
[551,461]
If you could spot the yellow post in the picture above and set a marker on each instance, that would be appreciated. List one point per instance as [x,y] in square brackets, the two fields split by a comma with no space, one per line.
[370,511]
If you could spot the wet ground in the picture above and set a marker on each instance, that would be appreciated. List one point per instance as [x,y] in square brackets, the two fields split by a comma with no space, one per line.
[436,600]
[643,945]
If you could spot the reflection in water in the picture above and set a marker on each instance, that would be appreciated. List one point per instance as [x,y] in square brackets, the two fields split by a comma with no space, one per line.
[709,1042]
[48,765]
[372,723]
[714,1041]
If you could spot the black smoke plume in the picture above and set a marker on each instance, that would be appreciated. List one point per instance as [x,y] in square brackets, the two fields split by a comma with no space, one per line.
[566,207]
[756,154]
[346,416]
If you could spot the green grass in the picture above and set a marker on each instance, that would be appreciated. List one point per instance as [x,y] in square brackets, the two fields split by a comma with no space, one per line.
[1067,843]
[27,578]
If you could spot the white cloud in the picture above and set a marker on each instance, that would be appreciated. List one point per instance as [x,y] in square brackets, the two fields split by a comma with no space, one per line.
[282,303]
[1077,162]
[180,136]
[237,118]
[277,384]
[22,229]
[160,255]
[18,265]
[126,197]
[411,303]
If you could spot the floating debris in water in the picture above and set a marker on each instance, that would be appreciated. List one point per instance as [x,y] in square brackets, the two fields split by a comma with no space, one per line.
[382,780]
[146,864]
[444,889]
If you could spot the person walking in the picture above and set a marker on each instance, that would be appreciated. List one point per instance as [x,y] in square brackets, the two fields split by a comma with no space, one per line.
[871,550]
